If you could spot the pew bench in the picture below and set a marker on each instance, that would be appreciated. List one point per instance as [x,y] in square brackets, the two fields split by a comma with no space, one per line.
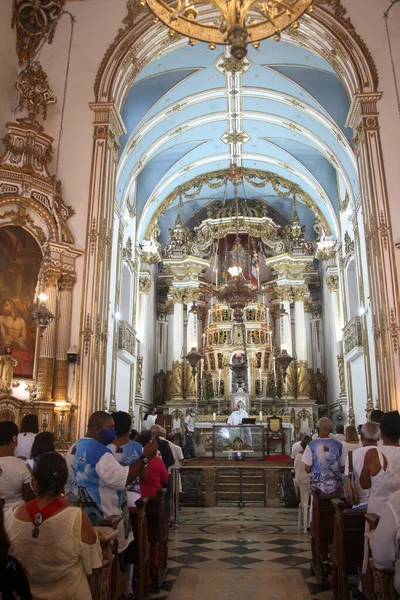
[348,545]
[139,551]
[377,584]
[157,532]
[100,581]
[323,513]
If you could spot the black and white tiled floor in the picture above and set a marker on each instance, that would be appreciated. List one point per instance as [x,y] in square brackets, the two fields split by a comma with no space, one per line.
[222,538]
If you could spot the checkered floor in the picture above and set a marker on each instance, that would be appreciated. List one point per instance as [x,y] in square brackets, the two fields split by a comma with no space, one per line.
[219,538]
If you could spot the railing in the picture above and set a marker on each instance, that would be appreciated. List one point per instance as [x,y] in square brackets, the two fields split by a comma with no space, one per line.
[353,336]
[126,341]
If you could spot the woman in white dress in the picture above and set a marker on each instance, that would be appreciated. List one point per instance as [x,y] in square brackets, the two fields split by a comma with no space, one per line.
[350,442]
[56,543]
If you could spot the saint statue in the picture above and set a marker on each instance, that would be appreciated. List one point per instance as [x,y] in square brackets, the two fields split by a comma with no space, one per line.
[320,387]
[160,381]
[7,364]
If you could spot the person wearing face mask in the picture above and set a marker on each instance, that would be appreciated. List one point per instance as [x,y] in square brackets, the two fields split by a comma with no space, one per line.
[15,477]
[189,450]
[97,481]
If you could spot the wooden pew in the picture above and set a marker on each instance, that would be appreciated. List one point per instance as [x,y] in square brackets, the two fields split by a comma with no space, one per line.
[321,530]
[377,584]
[348,545]
[101,579]
[139,552]
[157,532]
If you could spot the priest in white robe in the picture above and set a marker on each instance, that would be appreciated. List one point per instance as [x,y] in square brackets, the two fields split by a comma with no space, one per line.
[237,415]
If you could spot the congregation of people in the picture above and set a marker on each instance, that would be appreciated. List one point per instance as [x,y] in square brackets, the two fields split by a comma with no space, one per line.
[51,505]
[365,466]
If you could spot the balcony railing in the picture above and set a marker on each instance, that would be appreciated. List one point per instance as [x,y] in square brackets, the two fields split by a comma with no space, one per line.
[126,342]
[353,337]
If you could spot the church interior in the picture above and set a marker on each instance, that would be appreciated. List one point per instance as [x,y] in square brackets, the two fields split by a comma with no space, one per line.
[199,214]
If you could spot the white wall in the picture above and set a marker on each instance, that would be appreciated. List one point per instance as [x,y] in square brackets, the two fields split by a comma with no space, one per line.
[359,389]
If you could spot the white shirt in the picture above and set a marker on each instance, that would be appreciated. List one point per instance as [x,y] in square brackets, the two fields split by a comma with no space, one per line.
[24,444]
[340,437]
[176,453]
[190,423]
[385,540]
[300,474]
[295,449]
[13,475]
[150,421]
[316,436]
[358,463]
[347,446]
[237,416]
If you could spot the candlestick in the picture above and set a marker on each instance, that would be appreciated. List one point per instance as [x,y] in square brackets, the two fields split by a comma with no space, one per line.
[274,364]
[209,317]
[258,276]
[260,381]
[219,381]
[260,415]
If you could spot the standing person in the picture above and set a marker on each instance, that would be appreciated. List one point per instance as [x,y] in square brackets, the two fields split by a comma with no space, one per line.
[301,477]
[339,435]
[236,417]
[15,477]
[13,581]
[351,442]
[127,452]
[385,540]
[322,458]
[97,482]
[150,419]
[44,442]
[370,433]
[189,450]
[55,542]
[296,448]
[26,437]
[381,471]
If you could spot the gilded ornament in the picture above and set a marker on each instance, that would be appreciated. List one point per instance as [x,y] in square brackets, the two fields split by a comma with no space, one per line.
[344,205]
[284,292]
[176,386]
[139,371]
[180,240]
[348,244]
[190,387]
[87,334]
[332,281]
[21,218]
[144,284]
[342,381]
[34,20]
[299,291]
[178,295]
[34,92]
[127,254]
[353,335]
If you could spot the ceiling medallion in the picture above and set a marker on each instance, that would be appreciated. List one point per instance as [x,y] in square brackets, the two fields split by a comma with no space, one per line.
[239,21]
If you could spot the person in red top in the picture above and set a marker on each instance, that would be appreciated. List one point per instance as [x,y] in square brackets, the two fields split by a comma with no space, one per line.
[157,477]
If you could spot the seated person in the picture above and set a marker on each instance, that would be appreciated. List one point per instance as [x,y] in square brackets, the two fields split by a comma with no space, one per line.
[381,470]
[15,477]
[26,437]
[370,434]
[13,580]
[44,442]
[385,540]
[56,542]
[127,452]
[322,458]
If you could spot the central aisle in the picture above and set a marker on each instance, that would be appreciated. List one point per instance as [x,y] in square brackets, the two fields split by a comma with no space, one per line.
[227,552]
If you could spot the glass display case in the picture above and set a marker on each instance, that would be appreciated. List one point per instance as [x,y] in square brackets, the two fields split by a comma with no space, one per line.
[240,441]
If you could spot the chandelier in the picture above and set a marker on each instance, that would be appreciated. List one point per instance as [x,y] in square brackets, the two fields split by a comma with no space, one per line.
[238,23]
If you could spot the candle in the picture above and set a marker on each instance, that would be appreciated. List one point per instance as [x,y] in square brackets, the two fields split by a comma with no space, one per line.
[260,415]
[201,367]
[274,368]
[219,381]
[258,276]
[260,380]
[283,347]
[209,317]
[214,417]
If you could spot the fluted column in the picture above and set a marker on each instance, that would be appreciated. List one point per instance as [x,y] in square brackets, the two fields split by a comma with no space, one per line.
[176,390]
[191,328]
[332,281]
[309,342]
[170,334]
[67,283]
[47,342]
[300,321]
[285,294]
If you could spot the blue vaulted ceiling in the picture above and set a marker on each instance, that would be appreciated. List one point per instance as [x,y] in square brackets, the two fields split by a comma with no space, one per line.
[292,106]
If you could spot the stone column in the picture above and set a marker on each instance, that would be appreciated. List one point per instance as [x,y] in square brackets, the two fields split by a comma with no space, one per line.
[67,283]
[170,334]
[332,281]
[108,126]
[47,346]
[285,294]
[191,328]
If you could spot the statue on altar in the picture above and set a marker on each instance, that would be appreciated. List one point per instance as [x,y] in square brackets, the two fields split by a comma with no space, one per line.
[160,381]
[320,387]
[7,364]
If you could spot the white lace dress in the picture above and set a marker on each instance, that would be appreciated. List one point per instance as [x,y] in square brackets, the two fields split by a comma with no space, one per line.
[57,561]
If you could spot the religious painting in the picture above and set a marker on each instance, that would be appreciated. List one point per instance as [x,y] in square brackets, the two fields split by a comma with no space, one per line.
[241,250]
[20,258]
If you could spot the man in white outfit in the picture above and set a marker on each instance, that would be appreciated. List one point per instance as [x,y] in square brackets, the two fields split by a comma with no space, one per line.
[370,433]
[237,415]
[296,448]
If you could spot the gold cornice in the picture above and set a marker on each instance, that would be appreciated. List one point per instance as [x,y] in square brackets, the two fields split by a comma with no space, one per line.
[216,179]
[332,281]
